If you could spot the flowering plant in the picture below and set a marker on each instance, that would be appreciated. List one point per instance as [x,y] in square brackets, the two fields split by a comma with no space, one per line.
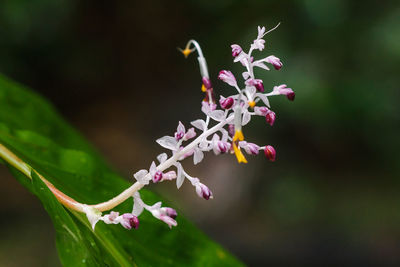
[221,131]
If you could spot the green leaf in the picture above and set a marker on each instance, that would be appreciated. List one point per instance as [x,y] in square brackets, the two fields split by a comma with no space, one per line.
[32,129]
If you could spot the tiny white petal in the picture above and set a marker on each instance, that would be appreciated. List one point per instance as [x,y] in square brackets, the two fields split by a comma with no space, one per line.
[203,145]
[140,176]
[246,75]
[180,178]
[264,99]
[92,214]
[168,142]
[224,135]
[217,115]
[162,157]
[260,65]
[198,156]
[246,117]
[199,124]
[137,208]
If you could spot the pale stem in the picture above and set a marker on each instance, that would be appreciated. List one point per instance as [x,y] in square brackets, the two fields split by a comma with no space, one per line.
[69,202]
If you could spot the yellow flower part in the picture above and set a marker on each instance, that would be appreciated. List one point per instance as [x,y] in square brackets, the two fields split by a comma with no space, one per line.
[252,104]
[238,153]
[186,52]
[203,88]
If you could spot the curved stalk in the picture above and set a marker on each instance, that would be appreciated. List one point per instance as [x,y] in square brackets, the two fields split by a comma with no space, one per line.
[71,203]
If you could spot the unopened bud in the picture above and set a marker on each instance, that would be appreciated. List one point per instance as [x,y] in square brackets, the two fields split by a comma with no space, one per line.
[270,153]
[203,191]
[270,117]
[226,103]
[291,96]
[170,212]
[157,176]
[236,50]
[130,221]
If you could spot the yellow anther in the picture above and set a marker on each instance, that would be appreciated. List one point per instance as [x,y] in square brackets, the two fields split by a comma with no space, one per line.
[238,136]
[186,52]
[252,104]
[203,88]
[238,153]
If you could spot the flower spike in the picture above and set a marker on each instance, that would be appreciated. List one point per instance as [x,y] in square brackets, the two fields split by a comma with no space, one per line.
[220,132]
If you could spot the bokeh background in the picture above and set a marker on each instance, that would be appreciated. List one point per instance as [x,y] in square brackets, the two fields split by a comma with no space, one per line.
[112,69]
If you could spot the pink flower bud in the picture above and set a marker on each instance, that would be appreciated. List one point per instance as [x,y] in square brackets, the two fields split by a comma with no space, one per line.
[227,76]
[236,50]
[203,191]
[250,148]
[223,147]
[262,111]
[226,103]
[180,131]
[290,96]
[170,212]
[270,153]
[157,176]
[284,90]
[207,83]
[130,221]
[257,83]
[270,117]
[189,134]
[274,61]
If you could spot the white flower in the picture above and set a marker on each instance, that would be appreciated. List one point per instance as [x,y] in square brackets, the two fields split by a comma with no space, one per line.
[93,215]
[168,142]
[142,177]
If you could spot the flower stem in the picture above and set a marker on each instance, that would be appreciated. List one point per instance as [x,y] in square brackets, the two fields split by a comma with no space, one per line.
[71,203]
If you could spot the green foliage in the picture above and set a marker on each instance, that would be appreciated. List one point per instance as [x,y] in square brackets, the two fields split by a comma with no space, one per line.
[32,129]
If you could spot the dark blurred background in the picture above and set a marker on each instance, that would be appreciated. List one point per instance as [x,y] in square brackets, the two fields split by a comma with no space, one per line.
[112,69]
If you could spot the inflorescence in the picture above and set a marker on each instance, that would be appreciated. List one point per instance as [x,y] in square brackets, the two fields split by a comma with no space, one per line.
[220,132]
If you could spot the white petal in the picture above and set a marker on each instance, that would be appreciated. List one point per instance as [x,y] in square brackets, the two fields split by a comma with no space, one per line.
[199,124]
[246,75]
[140,176]
[153,169]
[179,177]
[240,57]
[168,142]
[217,115]
[260,65]
[180,128]
[137,208]
[224,135]
[203,145]
[264,99]
[162,157]
[246,117]
[92,214]
[198,156]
